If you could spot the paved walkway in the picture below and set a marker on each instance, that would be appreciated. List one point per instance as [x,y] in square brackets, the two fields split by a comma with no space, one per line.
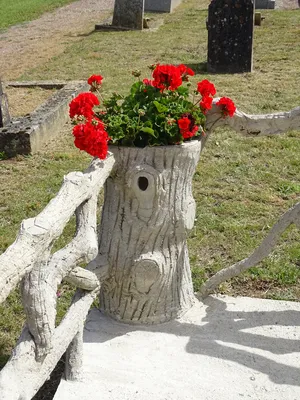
[225,349]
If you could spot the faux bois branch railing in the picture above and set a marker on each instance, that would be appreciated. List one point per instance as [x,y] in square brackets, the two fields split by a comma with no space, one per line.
[41,345]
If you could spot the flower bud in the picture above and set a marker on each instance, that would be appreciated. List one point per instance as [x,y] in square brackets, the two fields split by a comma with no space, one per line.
[152,67]
[137,73]
[171,121]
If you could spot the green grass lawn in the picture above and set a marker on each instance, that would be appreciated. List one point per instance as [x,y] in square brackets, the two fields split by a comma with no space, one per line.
[17,11]
[242,185]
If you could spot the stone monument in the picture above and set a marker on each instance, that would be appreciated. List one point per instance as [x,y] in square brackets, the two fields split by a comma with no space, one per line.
[264,4]
[161,5]
[129,14]
[4,111]
[230,36]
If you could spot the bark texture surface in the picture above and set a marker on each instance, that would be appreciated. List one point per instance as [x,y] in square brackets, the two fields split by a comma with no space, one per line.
[254,125]
[23,375]
[42,344]
[147,214]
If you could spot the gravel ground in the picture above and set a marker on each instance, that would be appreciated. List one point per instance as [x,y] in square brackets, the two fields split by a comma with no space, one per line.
[287,4]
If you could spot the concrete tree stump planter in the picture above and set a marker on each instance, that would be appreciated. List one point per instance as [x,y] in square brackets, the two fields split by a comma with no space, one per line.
[147,214]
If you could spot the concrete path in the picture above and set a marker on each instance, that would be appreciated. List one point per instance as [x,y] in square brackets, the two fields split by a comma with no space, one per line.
[226,349]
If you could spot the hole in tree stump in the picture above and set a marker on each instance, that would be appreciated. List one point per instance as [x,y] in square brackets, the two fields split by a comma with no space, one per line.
[143,183]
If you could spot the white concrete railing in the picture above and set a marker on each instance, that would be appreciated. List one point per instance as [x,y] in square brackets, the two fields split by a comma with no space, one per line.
[41,344]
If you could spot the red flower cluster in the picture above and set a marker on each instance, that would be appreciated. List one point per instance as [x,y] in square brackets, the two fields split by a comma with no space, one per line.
[185,72]
[227,106]
[148,82]
[95,81]
[92,138]
[169,76]
[206,103]
[187,127]
[206,89]
[90,132]
[83,105]
[91,135]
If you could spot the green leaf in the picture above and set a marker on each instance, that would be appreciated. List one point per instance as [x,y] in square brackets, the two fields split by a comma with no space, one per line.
[160,107]
[148,130]
[183,91]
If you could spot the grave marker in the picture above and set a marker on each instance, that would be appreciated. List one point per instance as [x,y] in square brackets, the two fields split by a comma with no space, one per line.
[4,112]
[161,5]
[230,36]
[129,14]
[264,4]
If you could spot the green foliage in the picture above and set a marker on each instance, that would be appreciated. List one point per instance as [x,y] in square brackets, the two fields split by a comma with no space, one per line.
[148,116]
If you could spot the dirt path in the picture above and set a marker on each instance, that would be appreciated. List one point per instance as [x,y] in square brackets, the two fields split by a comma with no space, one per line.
[287,4]
[31,44]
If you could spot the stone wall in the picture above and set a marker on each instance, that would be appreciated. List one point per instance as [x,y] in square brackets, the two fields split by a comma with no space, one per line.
[27,135]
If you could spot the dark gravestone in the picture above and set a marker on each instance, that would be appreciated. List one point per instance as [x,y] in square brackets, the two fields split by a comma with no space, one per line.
[4,112]
[230,36]
[129,14]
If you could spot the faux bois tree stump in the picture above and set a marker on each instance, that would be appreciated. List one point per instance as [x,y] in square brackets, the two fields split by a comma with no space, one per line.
[147,214]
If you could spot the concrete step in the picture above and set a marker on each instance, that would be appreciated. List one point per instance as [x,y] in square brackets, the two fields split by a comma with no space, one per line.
[224,349]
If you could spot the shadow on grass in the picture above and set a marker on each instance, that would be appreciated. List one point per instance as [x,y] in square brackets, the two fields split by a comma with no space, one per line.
[199,68]
[3,359]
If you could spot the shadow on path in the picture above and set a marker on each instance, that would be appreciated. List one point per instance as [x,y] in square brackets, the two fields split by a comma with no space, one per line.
[220,334]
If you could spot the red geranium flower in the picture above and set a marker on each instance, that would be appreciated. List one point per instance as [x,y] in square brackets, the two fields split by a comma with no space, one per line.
[185,72]
[206,103]
[167,77]
[92,138]
[95,80]
[83,105]
[148,82]
[227,106]
[187,127]
[184,123]
[191,133]
[206,88]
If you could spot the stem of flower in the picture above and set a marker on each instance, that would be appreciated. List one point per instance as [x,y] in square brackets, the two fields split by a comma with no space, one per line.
[214,123]
[100,95]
